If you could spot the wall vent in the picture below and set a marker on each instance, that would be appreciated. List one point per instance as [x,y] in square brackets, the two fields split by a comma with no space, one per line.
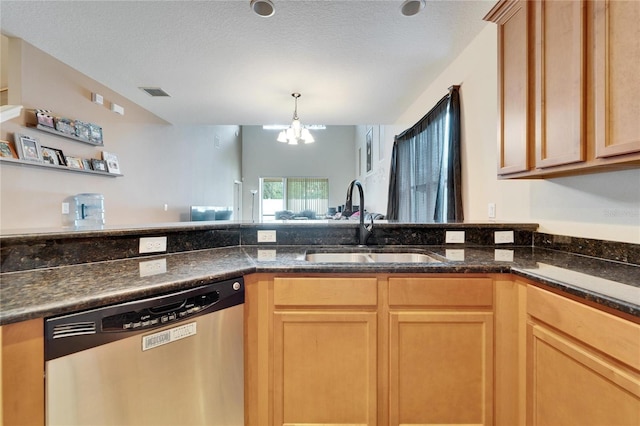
[155,91]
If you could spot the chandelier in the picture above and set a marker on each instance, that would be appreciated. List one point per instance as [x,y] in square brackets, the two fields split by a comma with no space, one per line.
[296,131]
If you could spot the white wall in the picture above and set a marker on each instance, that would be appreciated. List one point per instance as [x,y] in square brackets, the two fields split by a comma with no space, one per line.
[162,164]
[331,156]
[601,206]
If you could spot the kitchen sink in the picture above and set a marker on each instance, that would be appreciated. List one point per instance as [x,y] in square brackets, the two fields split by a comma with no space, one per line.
[338,258]
[373,257]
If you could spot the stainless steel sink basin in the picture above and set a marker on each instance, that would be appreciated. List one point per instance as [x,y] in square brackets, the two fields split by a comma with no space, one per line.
[375,257]
[402,258]
[338,258]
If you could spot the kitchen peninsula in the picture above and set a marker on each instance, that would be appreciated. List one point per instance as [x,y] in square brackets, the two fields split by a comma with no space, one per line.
[507,294]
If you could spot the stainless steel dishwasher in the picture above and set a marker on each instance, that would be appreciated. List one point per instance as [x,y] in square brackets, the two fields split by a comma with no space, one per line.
[174,359]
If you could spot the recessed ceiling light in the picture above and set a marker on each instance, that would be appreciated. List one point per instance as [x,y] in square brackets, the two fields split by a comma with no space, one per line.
[155,92]
[264,8]
[412,7]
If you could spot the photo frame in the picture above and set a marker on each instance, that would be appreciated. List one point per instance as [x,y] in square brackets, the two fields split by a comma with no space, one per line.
[50,156]
[28,148]
[369,146]
[6,150]
[99,165]
[74,162]
[113,166]
[45,118]
[86,164]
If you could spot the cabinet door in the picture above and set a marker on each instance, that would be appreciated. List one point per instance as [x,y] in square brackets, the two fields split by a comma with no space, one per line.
[324,368]
[440,368]
[560,82]
[513,90]
[616,77]
[572,385]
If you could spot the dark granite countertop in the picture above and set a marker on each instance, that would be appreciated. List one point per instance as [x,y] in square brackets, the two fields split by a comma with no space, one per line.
[63,289]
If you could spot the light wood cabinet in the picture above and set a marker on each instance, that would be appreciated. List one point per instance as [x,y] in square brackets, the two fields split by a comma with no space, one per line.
[583,365]
[616,59]
[568,86]
[440,351]
[22,373]
[514,88]
[559,82]
[324,351]
[382,349]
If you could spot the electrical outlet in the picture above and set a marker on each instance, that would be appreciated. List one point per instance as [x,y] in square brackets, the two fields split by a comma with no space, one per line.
[503,237]
[65,208]
[153,245]
[454,237]
[266,236]
[491,210]
[153,267]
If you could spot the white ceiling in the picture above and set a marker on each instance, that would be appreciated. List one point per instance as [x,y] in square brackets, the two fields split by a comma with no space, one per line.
[354,62]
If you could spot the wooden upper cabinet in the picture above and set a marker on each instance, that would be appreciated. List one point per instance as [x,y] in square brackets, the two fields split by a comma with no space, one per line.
[513,86]
[617,77]
[560,82]
[569,86]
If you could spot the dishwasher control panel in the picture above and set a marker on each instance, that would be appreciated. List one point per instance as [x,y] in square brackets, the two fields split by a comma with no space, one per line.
[160,315]
[70,333]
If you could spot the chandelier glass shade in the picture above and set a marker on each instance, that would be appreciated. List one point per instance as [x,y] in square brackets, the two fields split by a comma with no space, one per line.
[296,131]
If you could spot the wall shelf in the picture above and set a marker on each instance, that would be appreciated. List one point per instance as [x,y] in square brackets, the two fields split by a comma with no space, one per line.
[17,162]
[64,135]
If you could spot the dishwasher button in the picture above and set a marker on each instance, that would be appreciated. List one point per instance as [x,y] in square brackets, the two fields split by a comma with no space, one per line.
[137,324]
[127,325]
[154,321]
[146,323]
[172,316]
[164,318]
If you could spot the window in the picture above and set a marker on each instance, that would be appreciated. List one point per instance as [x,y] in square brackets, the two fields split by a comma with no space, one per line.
[425,179]
[294,198]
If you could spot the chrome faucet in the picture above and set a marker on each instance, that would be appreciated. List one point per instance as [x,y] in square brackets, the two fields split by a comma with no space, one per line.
[365,231]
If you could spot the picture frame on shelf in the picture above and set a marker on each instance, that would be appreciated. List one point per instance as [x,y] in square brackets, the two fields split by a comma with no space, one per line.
[6,150]
[45,118]
[62,159]
[86,164]
[50,156]
[83,130]
[95,134]
[74,162]
[99,165]
[28,148]
[65,125]
[113,166]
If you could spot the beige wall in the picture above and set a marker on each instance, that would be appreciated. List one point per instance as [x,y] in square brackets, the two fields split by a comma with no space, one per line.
[162,164]
[601,206]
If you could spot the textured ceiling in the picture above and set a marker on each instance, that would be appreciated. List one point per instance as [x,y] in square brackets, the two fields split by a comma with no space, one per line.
[355,62]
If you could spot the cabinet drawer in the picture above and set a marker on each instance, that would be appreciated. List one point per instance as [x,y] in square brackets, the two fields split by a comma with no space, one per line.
[440,292]
[321,291]
[612,335]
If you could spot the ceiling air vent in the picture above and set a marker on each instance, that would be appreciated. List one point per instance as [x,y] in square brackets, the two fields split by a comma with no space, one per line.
[155,91]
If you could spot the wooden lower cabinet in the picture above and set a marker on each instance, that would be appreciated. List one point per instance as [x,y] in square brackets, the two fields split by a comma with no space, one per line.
[369,350]
[583,365]
[441,351]
[441,368]
[324,368]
